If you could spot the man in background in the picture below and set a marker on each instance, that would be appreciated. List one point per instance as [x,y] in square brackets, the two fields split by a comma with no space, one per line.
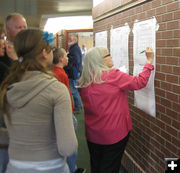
[73,69]
[14,23]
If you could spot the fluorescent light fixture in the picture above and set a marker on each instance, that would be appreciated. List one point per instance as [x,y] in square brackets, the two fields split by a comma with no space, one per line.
[54,25]
[96,2]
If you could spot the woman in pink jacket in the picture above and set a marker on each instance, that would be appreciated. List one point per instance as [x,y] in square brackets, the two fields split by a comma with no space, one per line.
[107,118]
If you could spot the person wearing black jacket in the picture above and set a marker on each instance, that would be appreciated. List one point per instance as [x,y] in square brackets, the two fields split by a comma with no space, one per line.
[73,69]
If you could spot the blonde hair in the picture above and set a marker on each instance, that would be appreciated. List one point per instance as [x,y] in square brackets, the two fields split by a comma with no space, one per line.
[58,53]
[28,44]
[93,67]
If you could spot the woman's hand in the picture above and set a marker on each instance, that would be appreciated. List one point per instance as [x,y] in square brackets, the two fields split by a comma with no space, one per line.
[149,55]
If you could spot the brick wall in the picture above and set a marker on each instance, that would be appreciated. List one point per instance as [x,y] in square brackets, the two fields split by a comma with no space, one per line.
[153,138]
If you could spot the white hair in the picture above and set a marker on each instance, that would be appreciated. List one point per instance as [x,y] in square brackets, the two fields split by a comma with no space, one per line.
[93,67]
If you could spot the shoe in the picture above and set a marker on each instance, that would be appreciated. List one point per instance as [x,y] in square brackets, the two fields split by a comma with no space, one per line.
[80,170]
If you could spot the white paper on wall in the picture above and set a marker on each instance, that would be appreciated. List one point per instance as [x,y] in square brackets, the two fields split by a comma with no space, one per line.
[119,39]
[101,39]
[144,35]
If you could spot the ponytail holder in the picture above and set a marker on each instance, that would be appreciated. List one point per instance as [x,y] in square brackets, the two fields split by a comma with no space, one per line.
[48,37]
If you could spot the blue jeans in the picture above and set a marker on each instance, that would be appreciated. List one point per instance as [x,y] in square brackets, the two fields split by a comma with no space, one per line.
[3,159]
[75,94]
[71,160]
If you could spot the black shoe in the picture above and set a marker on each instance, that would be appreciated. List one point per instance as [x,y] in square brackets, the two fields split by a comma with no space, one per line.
[80,170]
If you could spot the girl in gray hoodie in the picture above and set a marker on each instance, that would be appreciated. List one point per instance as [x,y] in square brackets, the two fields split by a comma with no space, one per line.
[37,109]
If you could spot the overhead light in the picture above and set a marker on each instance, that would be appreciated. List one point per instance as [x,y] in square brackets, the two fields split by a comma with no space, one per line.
[54,25]
[96,2]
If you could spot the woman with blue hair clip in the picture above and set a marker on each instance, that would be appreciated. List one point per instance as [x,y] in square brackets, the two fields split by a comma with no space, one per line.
[37,109]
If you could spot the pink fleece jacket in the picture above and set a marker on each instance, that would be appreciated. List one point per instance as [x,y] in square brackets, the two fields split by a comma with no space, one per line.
[107,117]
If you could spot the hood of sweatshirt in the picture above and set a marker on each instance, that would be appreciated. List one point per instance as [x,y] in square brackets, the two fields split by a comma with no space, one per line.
[22,92]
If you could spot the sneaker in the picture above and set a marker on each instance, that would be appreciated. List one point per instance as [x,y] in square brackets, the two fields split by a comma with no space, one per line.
[80,170]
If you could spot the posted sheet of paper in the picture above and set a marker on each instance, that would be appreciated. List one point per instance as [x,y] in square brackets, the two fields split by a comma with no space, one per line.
[101,39]
[144,35]
[119,48]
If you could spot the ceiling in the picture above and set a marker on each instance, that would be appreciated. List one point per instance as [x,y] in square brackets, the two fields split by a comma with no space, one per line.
[36,12]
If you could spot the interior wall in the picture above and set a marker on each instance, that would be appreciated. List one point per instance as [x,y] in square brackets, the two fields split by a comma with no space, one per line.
[153,138]
[86,39]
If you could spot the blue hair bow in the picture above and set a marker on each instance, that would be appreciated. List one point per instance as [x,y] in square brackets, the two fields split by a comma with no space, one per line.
[48,37]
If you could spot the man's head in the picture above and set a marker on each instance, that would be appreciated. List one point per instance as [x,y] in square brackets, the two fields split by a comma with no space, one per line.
[15,22]
[72,39]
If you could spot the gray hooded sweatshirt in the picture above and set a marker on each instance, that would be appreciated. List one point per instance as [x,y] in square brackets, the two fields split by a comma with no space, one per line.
[41,126]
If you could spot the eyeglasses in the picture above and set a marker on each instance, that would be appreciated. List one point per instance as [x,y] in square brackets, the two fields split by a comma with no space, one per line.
[107,55]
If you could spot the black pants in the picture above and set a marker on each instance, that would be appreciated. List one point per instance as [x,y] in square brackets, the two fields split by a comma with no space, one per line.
[106,158]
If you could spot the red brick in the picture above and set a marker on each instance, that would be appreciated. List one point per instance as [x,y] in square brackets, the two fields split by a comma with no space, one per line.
[166,1]
[150,13]
[160,76]
[166,68]
[139,9]
[176,89]
[167,17]
[159,153]
[171,131]
[162,26]
[176,124]
[167,51]
[172,61]
[166,135]
[158,67]
[175,141]
[166,119]
[176,52]
[158,53]
[158,35]
[172,96]
[154,143]
[156,3]
[160,92]
[158,167]
[173,43]
[172,79]
[158,99]
[176,107]
[167,34]
[159,18]
[160,43]
[176,33]
[172,7]
[177,15]
[152,169]
[166,152]
[166,102]
[161,10]
[160,59]
[172,114]
[171,147]
[166,86]
[160,124]
[173,25]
